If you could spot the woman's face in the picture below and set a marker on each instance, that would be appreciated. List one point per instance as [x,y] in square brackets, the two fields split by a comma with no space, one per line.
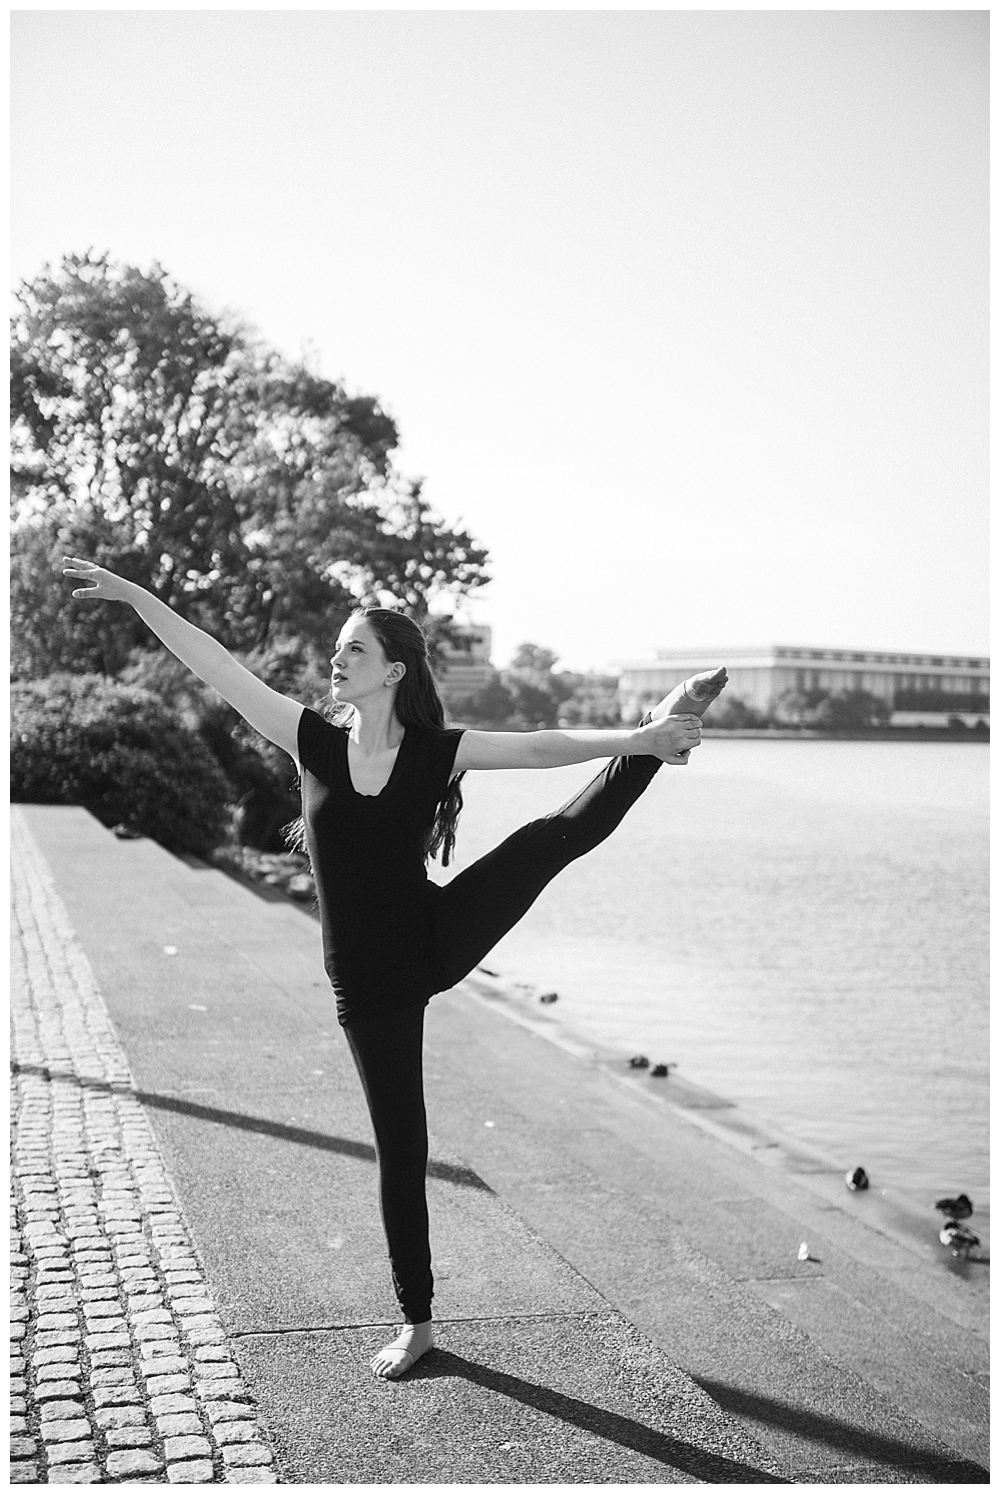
[359,667]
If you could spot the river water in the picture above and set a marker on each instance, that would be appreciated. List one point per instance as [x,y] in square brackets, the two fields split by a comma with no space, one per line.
[801,926]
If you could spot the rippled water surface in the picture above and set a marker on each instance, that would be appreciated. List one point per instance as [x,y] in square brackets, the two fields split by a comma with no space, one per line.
[800,925]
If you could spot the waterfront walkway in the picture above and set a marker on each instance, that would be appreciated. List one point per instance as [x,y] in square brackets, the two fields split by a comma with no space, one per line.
[200,1277]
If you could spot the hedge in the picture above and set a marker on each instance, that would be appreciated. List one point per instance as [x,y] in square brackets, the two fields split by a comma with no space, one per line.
[116,750]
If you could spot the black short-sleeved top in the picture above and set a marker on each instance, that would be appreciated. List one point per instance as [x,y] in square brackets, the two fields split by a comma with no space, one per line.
[369,860]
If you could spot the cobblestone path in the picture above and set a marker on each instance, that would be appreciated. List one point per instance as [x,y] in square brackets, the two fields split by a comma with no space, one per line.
[120,1370]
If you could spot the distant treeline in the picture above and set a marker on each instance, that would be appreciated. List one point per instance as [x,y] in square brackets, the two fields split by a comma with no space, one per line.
[942,700]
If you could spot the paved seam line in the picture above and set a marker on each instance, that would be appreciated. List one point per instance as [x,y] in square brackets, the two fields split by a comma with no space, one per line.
[514,1317]
[111,1316]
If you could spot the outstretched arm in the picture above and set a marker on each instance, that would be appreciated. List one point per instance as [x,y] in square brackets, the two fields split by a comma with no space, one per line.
[274,716]
[665,739]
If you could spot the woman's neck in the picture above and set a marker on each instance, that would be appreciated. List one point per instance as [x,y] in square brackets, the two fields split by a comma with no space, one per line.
[376,727]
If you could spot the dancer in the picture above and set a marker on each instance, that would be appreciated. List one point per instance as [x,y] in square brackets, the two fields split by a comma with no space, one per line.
[380,794]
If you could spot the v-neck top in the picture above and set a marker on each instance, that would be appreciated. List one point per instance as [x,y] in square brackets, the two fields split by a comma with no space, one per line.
[369,855]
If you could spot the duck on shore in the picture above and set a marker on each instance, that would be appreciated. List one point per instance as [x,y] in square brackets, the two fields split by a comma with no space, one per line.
[955,1208]
[958,1239]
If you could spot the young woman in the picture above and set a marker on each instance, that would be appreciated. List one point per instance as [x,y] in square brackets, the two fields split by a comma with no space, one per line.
[380,793]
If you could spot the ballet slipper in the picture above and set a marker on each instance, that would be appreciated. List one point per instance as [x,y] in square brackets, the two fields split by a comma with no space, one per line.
[693,696]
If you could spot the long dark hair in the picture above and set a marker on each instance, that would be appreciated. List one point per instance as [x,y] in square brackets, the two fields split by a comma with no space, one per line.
[417,704]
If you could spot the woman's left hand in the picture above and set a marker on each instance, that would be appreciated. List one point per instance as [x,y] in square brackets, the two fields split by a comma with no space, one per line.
[672,738]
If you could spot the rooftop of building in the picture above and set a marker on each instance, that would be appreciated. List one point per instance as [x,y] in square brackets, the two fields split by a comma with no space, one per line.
[767,653]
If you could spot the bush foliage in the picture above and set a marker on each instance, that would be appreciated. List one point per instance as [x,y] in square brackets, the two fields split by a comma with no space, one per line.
[115,749]
[843,710]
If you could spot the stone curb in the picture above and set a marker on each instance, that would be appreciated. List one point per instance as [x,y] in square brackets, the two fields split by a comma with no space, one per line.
[120,1368]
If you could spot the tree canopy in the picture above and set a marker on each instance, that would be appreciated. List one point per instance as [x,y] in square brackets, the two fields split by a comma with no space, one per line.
[529,693]
[169,443]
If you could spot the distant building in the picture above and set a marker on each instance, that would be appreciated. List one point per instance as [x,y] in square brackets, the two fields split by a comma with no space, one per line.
[921,689]
[465,667]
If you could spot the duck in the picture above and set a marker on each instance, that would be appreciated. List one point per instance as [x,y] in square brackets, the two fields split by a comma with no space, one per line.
[547,997]
[662,1070]
[958,1239]
[857,1180]
[640,1061]
[955,1208]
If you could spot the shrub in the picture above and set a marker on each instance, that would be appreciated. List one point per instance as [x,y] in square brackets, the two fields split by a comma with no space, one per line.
[848,709]
[941,700]
[493,705]
[261,775]
[115,749]
[730,713]
[593,703]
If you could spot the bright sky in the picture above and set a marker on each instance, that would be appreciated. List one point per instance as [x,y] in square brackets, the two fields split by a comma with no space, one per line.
[683,313]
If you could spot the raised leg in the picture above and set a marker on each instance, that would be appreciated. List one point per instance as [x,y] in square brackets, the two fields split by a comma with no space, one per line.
[388,1054]
[485,901]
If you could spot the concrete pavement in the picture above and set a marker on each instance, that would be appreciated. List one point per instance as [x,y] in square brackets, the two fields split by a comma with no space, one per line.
[618,1297]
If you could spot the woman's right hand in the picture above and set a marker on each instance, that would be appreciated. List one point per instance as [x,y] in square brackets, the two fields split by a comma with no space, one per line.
[104,585]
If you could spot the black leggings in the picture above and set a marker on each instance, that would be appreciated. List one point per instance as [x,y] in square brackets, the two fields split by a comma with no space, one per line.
[473,912]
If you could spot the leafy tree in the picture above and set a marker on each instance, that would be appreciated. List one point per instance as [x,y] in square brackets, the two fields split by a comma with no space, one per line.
[251,495]
[593,702]
[536,690]
[730,713]
[529,693]
[639,704]
[942,700]
[844,710]
[797,707]
[492,705]
[848,709]
[533,662]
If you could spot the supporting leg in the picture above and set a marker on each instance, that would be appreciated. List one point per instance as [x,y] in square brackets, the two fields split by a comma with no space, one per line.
[388,1054]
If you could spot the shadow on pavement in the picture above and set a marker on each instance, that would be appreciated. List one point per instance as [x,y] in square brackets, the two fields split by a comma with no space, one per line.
[683,1456]
[841,1434]
[448,1172]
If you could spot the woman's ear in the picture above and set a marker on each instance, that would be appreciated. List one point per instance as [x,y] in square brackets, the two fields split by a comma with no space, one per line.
[396,671]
